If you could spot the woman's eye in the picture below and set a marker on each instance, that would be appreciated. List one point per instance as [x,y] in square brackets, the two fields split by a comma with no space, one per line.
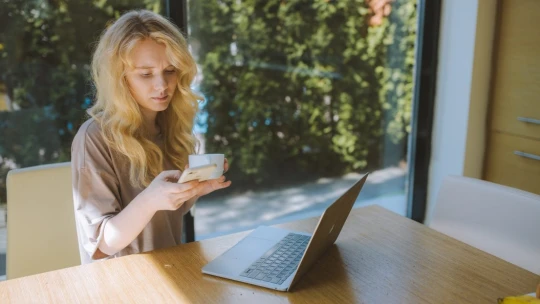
[170,71]
[146,75]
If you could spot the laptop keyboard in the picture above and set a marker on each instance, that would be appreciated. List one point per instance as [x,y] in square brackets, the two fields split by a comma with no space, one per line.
[280,261]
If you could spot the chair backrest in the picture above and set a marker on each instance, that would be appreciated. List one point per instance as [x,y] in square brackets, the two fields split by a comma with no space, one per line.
[497,219]
[41,231]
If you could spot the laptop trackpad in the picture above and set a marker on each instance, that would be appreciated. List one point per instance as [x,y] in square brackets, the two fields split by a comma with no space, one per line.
[239,257]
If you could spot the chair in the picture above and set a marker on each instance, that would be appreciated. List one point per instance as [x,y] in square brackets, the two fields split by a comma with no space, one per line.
[500,220]
[41,231]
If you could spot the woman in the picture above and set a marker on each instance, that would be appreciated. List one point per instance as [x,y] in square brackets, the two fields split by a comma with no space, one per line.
[125,158]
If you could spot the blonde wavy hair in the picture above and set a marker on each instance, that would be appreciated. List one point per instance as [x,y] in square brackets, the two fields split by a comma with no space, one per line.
[118,113]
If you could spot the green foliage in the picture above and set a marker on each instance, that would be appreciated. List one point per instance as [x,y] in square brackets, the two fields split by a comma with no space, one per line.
[44,67]
[294,88]
[303,87]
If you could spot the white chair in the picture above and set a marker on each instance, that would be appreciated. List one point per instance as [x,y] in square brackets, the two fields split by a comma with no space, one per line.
[500,220]
[41,231]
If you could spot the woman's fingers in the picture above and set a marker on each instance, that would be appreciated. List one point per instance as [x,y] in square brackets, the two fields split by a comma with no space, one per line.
[225,166]
[192,189]
[198,190]
[226,184]
[218,186]
[219,183]
[169,175]
[176,188]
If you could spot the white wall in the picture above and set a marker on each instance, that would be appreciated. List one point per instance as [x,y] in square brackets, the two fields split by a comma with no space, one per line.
[462,91]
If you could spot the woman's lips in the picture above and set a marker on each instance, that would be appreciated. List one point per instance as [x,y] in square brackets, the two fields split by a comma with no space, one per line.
[161,99]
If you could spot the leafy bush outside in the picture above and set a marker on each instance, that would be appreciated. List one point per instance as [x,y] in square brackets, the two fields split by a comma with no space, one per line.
[293,89]
[303,88]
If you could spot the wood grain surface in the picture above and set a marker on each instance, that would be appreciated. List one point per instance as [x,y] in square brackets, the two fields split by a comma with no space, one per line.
[380,257]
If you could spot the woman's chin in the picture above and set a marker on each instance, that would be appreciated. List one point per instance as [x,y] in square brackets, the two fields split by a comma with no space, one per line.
[159,106]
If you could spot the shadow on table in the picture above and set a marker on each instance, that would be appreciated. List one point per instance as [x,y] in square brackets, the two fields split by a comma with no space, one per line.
[327,278]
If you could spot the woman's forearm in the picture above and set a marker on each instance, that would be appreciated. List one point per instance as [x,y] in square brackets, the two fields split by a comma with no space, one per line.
[124,227]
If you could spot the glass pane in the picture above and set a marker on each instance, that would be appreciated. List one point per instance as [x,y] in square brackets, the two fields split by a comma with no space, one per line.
[45,49]
[303,97]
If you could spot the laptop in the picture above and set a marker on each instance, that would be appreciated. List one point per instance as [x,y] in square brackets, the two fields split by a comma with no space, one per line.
[277,258]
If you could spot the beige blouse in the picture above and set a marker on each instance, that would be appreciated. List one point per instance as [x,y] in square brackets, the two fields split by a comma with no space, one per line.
[101,189]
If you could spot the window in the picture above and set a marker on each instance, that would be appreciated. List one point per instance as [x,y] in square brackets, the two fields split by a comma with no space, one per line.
[303,97]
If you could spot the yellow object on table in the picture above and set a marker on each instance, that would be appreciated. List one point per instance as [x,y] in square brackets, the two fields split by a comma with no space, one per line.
[519,300]
[522,299]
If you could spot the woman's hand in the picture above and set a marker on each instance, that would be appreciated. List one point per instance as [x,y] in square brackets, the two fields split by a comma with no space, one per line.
[212,185]
[164,193]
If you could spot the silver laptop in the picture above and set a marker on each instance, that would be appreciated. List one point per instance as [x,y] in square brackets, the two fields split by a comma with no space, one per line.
[277,258]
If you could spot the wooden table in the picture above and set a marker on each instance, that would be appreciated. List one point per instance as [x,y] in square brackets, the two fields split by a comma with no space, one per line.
[380,257]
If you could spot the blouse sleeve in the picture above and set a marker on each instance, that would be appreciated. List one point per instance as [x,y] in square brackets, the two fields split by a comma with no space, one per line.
[95,189]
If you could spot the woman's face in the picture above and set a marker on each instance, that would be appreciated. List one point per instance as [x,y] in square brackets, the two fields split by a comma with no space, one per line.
[151,79]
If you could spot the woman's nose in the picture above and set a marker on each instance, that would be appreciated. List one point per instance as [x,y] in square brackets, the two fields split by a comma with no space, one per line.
[160,84]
